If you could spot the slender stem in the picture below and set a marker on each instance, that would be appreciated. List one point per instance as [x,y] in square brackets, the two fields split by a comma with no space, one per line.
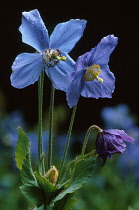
[87,136]
[50,151]
[67,142]
[40,104]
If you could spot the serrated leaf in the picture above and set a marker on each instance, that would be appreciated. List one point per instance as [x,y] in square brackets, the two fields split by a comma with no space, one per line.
[27,175]
[66,203]
[31,189]
[47,187]
[71,166]
[33,193]
[22,148]
[82,170]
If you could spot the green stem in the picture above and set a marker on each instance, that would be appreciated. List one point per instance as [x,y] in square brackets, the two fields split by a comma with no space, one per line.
[87,136]
[40,104]
[50,150]
[67,142]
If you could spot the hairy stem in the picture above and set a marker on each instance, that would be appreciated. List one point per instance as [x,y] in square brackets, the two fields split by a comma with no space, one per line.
[87,136]
[67,142]
[51,111]
[40,105]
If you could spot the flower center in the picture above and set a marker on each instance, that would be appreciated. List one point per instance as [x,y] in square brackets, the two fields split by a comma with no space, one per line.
[52,57]
[92,73]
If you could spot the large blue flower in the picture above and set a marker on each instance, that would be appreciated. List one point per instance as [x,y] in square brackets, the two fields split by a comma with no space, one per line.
[51,53]
[92,77]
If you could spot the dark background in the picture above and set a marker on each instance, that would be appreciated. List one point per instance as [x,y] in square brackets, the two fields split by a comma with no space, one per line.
[104,17]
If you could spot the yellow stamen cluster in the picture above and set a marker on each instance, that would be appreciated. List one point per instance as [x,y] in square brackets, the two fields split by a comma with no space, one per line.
[92,73]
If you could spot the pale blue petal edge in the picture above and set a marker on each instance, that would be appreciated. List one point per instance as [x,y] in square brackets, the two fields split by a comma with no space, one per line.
[26,69]
[33,30]
[66,35]
[101,53]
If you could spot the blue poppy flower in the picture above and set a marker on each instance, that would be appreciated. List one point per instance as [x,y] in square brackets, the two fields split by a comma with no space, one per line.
[110,141]
[92,77]
[51,53]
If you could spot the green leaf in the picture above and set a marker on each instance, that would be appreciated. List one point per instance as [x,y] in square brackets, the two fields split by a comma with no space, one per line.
[31,188]
[79,171]
[86,156]
[66,203]
[22,148]
[47,187]
[33,193]
[26,173]
[71,166]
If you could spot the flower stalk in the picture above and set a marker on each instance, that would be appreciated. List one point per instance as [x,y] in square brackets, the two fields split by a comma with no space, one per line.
[87,136]
[40,127]
[67,142]
[51,111]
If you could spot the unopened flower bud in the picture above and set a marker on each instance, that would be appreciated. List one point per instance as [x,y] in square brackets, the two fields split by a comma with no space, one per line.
[52,174]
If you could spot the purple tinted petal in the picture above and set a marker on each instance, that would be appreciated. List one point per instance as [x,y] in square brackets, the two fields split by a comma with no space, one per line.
[95,89]
[59,74]
[26,69]
[65,35]
[121,133]
[101,146]
[34,32]
[115,144]
[101,53]
[82,62]
[74,90]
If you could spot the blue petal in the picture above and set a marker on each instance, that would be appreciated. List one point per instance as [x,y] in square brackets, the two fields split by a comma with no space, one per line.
[26,69]
[59,74]
[82,62]
[95,89]
[102,52]
[65,35]
[74,90]
[34,32]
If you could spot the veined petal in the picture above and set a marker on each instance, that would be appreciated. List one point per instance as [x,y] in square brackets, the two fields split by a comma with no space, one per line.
[121,133]
[59,74]
[95,89]
[33,30]
[101,53]
[69,64]
[65,35]
[74,90]
[82,62]
[115,144]
[26,69]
